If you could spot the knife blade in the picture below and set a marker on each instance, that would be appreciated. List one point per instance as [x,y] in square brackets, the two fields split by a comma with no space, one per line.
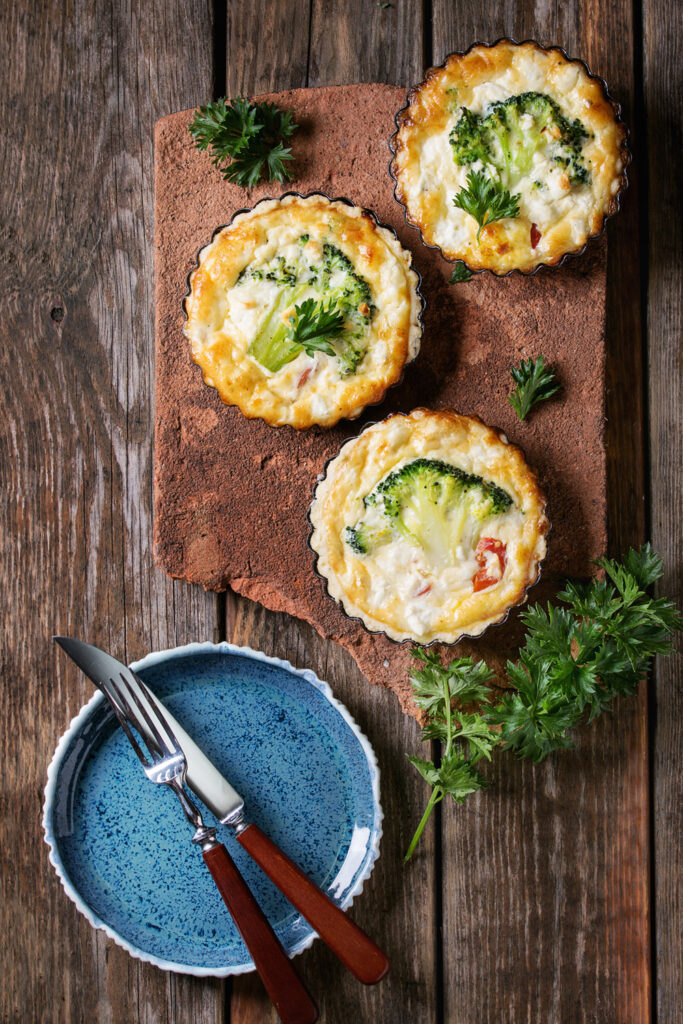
[202,776]
[349,942]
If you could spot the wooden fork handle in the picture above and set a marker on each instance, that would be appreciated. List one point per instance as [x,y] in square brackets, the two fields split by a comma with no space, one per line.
[290,998]
[350,943]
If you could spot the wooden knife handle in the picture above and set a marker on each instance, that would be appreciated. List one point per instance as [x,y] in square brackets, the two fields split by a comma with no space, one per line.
[350,943]
[290,998]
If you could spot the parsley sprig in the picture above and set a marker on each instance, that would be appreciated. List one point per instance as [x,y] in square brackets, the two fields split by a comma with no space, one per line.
[466,738]
[314,324]
[534,383]
[461,272]
[486,200]
[249,135]
[576,659]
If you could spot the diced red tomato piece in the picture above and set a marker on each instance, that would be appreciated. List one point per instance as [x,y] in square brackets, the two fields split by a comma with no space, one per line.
[481,578]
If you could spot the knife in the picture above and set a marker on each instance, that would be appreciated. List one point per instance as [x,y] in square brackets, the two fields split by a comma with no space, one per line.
[346,940]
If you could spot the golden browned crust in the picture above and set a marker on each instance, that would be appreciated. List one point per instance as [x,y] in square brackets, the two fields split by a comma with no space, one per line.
[506,245]
[292,396]
[379,590]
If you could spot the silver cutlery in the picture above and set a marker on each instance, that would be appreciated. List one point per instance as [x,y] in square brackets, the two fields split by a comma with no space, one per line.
[165,764]
[349,942]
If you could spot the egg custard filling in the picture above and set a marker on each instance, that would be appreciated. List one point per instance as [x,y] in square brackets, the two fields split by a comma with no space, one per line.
[303,311]
[509,156]
[428,526]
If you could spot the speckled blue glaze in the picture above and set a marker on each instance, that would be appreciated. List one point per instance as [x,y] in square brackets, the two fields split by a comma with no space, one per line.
[122,845]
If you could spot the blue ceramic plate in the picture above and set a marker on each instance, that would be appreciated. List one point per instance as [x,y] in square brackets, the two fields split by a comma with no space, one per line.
[121,846]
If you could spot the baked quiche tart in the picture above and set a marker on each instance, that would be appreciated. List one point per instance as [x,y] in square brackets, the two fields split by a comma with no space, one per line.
[509,156]
[428,527]
[303,310]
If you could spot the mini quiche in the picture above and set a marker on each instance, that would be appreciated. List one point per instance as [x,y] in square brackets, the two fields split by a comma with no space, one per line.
[509,156]
[428,527]
[303,310]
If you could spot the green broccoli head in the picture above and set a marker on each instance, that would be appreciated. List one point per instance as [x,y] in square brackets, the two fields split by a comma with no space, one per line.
[362,538]
[468,141]
[334,281]
[350,290]
[513,131]
[433,505]
[351,294]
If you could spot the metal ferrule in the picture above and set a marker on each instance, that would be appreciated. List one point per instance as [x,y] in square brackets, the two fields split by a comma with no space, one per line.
[236,821]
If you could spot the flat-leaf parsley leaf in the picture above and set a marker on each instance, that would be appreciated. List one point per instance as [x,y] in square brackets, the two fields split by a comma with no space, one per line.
[249,135]
[315,324]
[461,272]
[575,661]
[466,738]
[486,200]
[534,383]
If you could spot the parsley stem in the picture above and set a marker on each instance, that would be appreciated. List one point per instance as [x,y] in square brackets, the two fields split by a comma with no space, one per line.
[449,716]
[437,794]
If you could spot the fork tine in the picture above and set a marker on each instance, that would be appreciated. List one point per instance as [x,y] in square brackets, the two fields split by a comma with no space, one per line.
[125,694]
[159,712]
[123,721]
[156,720]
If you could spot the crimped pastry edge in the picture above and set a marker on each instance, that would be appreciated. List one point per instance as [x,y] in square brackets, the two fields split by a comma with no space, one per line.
[520,597]
[615,203]
[418,305]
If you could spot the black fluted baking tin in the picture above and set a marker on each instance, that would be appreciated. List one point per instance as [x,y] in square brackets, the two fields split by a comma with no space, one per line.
[625,155]
[356,618]
[331,199]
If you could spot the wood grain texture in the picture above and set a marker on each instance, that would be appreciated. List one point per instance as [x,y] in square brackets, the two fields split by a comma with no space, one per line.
[81,87]
[80,96]
[366,41]
[558,856]
[398,906]
[266,46]
[664,112]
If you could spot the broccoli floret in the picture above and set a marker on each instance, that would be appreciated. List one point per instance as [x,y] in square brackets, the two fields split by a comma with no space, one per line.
[506,143]
[281,273]
[363,538]
[433,505]
[339,276]
[335,282]
[351,294]
[468,141]
[350,357]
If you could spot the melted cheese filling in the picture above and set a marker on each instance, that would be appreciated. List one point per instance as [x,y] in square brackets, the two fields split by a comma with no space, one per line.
[227,307]
[252,298]
[402,577]
[565,214]
[394,588]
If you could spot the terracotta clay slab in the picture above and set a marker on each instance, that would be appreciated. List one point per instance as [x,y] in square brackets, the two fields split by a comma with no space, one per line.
[231,494]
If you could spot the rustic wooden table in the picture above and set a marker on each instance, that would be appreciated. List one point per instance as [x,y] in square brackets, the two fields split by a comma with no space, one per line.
[497,920]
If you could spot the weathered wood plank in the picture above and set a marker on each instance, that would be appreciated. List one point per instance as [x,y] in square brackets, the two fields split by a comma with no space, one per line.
[80,96]
[546,876]
[664,113]
[366,41]
[397,906]
[266,46]
[351,42]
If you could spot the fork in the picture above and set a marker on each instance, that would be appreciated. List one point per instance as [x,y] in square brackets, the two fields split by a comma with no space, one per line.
[166,765]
